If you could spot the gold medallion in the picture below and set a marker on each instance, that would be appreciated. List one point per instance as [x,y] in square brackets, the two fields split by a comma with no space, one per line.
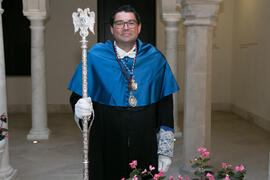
[132,100]
[133,85]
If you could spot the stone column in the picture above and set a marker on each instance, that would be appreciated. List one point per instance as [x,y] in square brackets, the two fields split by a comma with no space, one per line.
[39,99]
[36,13]
[199,18]
[6,171]
[171,31]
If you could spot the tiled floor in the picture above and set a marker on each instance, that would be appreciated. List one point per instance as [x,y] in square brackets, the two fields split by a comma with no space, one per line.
[59,158]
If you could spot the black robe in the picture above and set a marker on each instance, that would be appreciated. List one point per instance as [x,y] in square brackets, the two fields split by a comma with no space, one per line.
[120,135]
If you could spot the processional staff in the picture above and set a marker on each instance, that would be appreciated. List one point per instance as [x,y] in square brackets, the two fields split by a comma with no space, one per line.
[83,21]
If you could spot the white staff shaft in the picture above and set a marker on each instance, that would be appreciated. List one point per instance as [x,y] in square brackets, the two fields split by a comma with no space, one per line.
[85,119]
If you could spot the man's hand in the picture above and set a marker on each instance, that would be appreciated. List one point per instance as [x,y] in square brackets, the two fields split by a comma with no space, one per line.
[164,162]
[83,107]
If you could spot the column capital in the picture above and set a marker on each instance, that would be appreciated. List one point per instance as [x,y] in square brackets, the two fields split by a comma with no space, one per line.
[171,17]
[200,12]
[169,10]
[36,9]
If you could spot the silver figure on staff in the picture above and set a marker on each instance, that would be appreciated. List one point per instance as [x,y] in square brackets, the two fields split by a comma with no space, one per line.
[84,21]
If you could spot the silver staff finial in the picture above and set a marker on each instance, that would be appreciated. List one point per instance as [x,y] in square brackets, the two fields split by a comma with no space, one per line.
[84,20]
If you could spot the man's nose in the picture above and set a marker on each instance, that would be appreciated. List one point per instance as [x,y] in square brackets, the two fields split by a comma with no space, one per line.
[126,26]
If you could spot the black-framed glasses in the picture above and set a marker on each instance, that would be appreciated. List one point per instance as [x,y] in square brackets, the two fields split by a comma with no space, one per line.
[121,24]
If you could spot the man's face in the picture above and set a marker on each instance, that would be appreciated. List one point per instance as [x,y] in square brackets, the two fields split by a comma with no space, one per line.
[124,30]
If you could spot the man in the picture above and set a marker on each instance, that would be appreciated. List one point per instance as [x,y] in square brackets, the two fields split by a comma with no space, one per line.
[131,86]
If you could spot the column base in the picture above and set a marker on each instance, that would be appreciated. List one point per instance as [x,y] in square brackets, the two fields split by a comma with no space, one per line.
[39,135]
[10,174]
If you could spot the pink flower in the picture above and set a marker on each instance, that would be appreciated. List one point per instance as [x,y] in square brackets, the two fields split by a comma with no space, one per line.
[151,168]
[240,168]
[180,177]
[135,177]
[156,176]
[133,164]
[161,172]
[224,166]
[210,176]
[227,177]
[206,154]
[201,150]
[171,178]
[123,179]
[187,178]
[144,171]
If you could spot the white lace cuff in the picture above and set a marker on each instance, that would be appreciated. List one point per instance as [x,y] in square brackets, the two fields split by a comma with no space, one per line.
[166,142]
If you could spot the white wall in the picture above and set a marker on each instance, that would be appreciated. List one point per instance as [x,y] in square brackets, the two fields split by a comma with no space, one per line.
[251,62]
[222,56]
[18,90]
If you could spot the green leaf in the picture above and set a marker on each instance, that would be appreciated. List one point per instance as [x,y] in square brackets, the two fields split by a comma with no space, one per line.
[207,167]
[221,173]
[205,160]
[162,177]
[208,171]
[197,173]
[239,175]
[195,165]
[134,172]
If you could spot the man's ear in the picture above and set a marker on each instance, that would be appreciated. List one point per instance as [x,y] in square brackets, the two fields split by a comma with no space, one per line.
[111,29]
[139,28]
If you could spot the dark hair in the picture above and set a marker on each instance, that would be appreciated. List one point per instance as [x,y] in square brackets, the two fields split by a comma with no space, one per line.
[125,8]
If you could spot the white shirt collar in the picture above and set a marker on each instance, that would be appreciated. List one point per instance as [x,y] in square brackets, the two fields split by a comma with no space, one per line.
[121,53]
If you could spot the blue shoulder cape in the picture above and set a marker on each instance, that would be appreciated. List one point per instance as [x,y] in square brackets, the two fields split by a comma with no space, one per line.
[108,85]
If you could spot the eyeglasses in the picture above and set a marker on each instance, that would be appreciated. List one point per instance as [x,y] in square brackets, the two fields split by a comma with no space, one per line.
[121,24]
